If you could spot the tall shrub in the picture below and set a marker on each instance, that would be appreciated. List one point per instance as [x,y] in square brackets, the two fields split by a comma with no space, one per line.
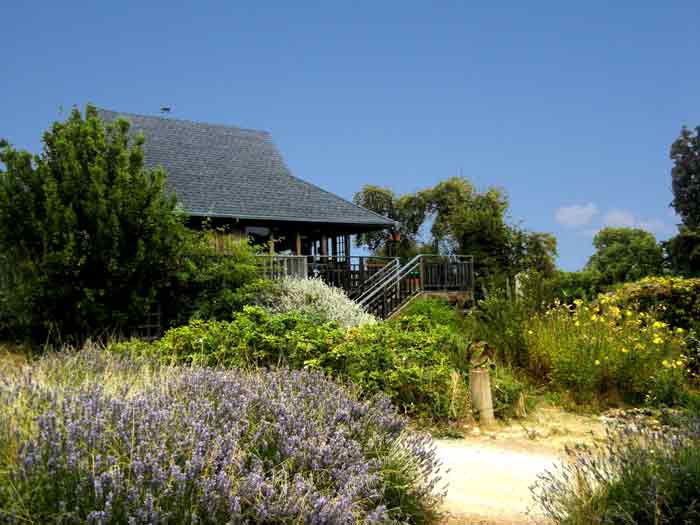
[317,299]
[87,229]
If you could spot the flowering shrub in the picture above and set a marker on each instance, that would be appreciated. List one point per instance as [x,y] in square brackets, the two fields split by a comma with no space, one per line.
[92,438]
[317,299]
[604,349]
[638,476]
[675,300]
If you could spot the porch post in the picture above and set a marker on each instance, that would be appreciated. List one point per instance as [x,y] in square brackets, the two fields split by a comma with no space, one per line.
[324,244]
[298,244]
[347,246]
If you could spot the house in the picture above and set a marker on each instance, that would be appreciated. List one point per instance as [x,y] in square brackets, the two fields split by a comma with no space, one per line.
[237,178]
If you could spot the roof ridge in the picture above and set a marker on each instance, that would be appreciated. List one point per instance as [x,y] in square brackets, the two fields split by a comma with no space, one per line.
[186,121]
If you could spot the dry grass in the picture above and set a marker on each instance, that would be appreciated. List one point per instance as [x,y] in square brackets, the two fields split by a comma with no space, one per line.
[13,355]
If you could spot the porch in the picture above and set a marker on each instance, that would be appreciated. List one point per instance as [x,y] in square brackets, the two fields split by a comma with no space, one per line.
[381,285]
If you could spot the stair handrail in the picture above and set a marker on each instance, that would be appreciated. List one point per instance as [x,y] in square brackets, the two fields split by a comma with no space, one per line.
[391,279]
[388,269]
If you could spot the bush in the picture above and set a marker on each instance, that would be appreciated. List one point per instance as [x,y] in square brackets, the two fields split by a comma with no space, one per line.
[408,359]
[90,438]
[512,396]
[639,476]
[590,350]
[252,338]
[437,311]
[675,300]
[315,298]
[210,285]
[88,232]
[501,322]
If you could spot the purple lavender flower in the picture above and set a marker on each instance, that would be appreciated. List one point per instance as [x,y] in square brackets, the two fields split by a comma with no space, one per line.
[195,445]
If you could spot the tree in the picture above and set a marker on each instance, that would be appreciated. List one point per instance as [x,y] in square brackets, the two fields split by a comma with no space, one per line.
[408,212]
[625,254]
[88,231]
[462,221]
[533,251]
[685,176]
[683,252]
[467,222]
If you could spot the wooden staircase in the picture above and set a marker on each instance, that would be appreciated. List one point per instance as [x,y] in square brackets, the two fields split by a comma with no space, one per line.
[391,291]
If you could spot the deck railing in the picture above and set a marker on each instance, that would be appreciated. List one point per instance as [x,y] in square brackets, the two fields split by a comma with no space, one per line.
[280,266]
[347,273]
[422,274]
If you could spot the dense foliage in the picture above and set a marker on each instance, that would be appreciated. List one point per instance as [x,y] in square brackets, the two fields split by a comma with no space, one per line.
[603,350]
[315,298]
[252,338]
[625,254]
[683,252]
[87,234]
[462,221]
[411,360]
[685,176]
[210,285]
[89,438]
[500,321]
[638,476]
[674,300]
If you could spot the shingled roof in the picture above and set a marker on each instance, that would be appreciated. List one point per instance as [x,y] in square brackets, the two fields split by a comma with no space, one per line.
[224,171]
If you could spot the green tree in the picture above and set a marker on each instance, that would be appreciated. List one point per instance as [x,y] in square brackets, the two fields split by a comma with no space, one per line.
[409,213]
[685,176]
[533,251]
[625,254]
[462,221]
[467,222]
[87,230]
[683,252]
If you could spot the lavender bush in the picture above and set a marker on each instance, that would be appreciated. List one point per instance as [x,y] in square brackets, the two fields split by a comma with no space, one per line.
[642,474]
[96,438]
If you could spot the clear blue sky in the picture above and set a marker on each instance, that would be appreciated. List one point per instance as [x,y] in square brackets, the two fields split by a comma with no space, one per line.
[569,106]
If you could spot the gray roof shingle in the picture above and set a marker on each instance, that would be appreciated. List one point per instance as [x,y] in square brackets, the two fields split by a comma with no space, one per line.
[223,171]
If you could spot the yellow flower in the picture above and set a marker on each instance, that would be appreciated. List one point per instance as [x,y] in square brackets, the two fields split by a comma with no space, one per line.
[628,313]
[679,330]
[530,332]
[657,340]
[659,324]
[624,350]
[578,302]
[577,323]
[597,362]
[594,317]
[664,363]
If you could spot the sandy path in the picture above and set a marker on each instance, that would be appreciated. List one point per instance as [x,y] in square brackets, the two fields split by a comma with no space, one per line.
[490,483]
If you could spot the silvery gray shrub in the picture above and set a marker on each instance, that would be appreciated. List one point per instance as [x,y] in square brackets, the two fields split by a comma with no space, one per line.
[316,298]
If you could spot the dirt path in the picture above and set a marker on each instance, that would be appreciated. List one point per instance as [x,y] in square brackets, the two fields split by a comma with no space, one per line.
[491,472]
[489,483]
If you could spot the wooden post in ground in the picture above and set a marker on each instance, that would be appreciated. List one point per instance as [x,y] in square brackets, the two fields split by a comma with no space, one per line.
[480,387]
